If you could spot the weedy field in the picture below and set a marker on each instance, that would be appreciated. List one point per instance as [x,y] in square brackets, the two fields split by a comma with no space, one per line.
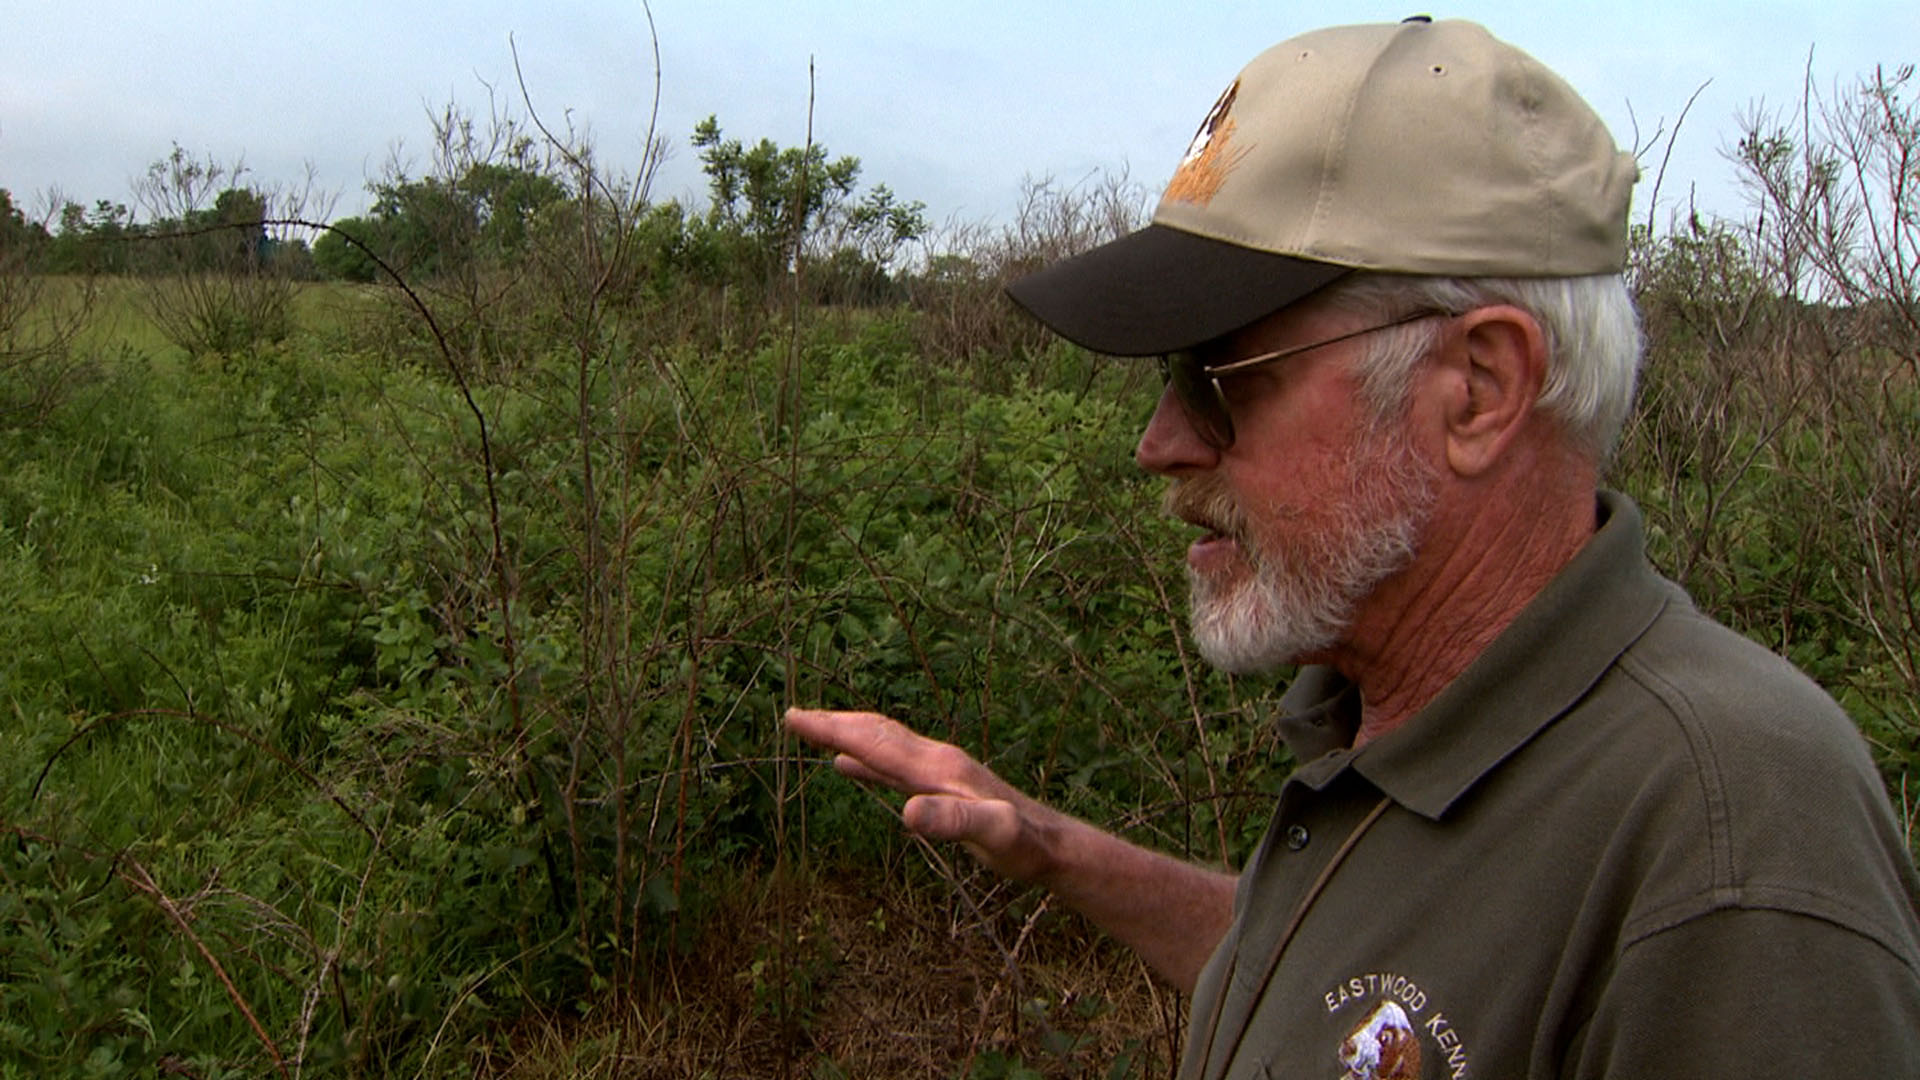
[393,674]
[364,724]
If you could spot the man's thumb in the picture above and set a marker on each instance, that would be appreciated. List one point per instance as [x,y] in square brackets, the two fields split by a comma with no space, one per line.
[938,817]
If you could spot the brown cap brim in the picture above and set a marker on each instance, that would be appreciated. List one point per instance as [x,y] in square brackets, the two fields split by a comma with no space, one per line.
[1162,289]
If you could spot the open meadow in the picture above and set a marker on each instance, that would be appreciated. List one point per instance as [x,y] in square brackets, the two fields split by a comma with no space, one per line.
[366,723]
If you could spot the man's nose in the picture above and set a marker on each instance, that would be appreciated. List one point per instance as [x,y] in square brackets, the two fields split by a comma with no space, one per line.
[1171,444]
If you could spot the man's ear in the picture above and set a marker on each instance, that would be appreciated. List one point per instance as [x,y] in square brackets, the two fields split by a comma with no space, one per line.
[1493,366]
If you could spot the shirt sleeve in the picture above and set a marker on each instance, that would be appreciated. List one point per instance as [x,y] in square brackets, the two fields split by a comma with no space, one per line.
[1751,993]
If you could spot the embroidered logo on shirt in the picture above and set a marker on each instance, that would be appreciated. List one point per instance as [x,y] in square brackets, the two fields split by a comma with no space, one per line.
[1398,1031]
[1383,1047]
[1207,161]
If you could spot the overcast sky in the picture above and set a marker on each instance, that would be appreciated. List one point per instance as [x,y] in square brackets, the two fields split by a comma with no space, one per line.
[952,103]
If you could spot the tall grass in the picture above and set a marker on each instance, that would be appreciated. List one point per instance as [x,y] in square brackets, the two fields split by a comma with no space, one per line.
[268,716]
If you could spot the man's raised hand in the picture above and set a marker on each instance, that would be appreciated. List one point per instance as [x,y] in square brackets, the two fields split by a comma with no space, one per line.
[1173,913]
[951,796]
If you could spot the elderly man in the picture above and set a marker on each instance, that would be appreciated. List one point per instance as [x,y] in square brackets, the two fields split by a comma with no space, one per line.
[1549,820]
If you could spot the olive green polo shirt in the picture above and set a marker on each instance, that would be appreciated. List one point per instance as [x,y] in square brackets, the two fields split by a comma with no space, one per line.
[1625,842]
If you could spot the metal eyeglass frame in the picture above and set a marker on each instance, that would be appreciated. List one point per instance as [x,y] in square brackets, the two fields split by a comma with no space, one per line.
[1208,411]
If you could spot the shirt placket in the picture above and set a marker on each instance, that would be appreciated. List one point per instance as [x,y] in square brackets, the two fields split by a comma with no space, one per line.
[1318,810]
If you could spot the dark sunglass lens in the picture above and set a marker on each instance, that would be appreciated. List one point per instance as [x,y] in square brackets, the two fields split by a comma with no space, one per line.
[1199,397]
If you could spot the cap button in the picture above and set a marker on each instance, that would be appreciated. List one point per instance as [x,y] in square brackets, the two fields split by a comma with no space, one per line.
[1418,19]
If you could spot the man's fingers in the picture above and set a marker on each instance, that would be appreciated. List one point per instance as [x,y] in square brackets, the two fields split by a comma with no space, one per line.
[875,748]
[825,727]
[868,746]
[868,736]
[848,765]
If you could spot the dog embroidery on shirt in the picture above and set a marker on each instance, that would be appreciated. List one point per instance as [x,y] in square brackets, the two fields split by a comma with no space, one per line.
[1383,1047]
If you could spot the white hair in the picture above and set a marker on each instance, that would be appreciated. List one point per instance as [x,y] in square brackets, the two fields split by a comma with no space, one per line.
[1592,335]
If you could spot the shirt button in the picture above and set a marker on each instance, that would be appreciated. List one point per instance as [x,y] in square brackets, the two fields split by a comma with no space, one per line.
[1297,837]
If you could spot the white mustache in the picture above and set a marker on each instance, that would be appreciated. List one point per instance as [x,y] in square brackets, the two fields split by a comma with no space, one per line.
[1207,502]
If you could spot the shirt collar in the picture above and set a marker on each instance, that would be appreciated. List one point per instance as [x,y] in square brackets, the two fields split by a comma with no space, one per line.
[1539,666]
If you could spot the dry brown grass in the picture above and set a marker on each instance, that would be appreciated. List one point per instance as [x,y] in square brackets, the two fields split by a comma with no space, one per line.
[880,980]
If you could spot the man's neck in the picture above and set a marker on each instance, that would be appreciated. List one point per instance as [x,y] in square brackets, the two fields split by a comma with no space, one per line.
[1481,563]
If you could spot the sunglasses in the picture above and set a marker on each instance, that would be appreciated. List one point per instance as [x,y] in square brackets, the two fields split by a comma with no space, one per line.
[1196,384]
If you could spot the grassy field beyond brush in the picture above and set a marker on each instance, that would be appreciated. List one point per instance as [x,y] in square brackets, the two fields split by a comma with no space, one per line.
[345,737]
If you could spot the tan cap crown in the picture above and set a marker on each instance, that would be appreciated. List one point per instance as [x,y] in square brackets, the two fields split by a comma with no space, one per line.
[1416,147]
[1420,148]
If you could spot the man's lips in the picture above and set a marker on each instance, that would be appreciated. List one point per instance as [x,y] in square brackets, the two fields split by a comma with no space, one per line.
[1203,506]
[1213,551]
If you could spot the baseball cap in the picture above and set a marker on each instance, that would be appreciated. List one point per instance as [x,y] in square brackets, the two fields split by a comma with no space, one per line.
[1418,147]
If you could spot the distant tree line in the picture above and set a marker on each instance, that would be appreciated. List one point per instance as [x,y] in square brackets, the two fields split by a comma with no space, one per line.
[773,212]
[107,239]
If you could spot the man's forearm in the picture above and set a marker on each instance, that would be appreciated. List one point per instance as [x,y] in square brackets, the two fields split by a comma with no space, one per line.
[1172,913]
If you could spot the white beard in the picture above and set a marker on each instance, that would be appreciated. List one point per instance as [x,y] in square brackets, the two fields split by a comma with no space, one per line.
[1305,589]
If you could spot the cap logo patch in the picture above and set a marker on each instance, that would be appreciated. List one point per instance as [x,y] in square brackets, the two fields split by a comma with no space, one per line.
[1208,159]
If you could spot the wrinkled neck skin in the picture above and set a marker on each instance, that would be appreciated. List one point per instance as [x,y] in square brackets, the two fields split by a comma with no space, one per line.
[1492,544]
